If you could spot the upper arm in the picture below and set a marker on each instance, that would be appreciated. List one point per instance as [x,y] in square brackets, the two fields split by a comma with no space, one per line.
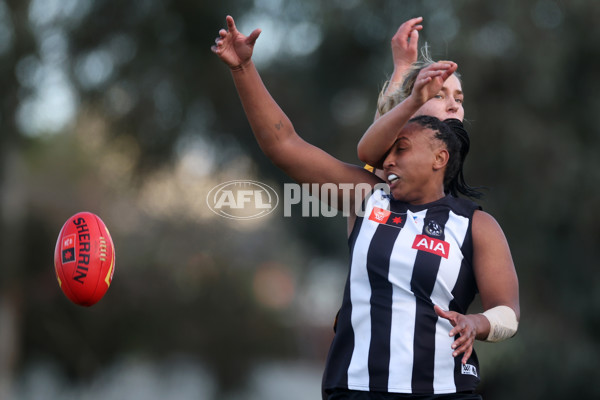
[306,163]
[383,132]
[493,265]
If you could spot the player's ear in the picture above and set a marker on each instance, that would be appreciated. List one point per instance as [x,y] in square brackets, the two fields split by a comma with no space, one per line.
[441,158]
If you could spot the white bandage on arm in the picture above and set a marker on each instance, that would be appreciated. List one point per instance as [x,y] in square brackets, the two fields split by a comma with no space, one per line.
[503,323]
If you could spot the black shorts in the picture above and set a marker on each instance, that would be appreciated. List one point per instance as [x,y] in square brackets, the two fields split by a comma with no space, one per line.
[343,394]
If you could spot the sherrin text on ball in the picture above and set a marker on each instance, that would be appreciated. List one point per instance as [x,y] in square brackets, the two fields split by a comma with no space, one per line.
[84,259]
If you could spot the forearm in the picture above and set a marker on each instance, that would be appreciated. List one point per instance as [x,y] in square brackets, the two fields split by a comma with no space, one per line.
[382,134]
[396,79]
[393,84]
[268,121]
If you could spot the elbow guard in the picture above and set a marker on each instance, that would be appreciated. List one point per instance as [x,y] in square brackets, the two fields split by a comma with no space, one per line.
[503,323]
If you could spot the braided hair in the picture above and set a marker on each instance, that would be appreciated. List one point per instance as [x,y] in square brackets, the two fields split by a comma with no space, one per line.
[457,183]
[456,138]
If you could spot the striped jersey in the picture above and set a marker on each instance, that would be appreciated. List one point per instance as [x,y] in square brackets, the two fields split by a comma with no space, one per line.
[404,259]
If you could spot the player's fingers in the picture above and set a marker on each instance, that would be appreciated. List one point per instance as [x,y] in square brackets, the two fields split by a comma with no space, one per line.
[435,67]
[404,30]
[464,337]
[414,37]
[231,24]
[447,73]
[451,70]
[449,315]
[467,355]
[445,65]
[413,22]
[457,330]
[430,75]
[431,72]
[251,39]
[439,311]
[419,83]
[449,64]
[461,345]
[464,347]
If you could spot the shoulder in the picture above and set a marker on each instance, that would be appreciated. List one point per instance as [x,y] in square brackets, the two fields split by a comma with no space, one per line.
[485,228]
[462,206]
[484,220]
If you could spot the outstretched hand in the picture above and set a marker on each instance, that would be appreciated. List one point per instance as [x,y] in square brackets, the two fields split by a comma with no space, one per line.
[405,43]
[463,325]
[232,47]
[431,80]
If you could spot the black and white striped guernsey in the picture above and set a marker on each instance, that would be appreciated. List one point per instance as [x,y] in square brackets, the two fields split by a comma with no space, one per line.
[404,259]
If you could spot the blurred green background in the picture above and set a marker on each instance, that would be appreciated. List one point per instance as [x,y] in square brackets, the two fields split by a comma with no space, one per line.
[120,108]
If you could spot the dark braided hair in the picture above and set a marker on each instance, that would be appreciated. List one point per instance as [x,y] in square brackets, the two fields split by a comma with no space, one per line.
[458,184]
[456,139]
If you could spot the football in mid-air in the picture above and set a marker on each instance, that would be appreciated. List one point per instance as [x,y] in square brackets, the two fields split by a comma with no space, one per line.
[84,259]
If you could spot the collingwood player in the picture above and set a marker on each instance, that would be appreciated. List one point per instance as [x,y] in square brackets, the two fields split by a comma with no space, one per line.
[419,254]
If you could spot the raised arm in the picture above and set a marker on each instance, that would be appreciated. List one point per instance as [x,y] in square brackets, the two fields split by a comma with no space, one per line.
[273,130]
[382,134]
[498,287]
[405,48]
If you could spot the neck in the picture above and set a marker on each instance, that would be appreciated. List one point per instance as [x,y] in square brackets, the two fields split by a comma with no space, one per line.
[422,197]
[427,199]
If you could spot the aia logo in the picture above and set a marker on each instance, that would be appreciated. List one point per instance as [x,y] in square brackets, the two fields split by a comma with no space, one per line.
[379,215]
[431,245]
[242,199]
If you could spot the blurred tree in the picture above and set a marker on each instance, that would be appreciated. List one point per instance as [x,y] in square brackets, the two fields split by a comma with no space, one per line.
[15,40]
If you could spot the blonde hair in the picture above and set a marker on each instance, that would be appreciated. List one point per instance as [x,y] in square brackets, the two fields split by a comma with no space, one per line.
[386,102]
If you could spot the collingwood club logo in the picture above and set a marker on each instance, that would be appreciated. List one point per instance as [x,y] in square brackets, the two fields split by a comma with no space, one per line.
[243,199]
[434,229]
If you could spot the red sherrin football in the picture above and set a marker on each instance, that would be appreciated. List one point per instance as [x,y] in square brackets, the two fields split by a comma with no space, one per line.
[84,259]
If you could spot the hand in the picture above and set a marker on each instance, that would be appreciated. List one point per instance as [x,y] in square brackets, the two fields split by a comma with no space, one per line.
[233,48]
[405,43]
[463,325]
[431,80]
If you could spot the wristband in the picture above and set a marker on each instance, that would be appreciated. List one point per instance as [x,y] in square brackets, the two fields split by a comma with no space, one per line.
[503,323]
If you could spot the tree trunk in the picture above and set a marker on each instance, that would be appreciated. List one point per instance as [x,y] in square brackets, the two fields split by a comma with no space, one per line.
[12,214]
